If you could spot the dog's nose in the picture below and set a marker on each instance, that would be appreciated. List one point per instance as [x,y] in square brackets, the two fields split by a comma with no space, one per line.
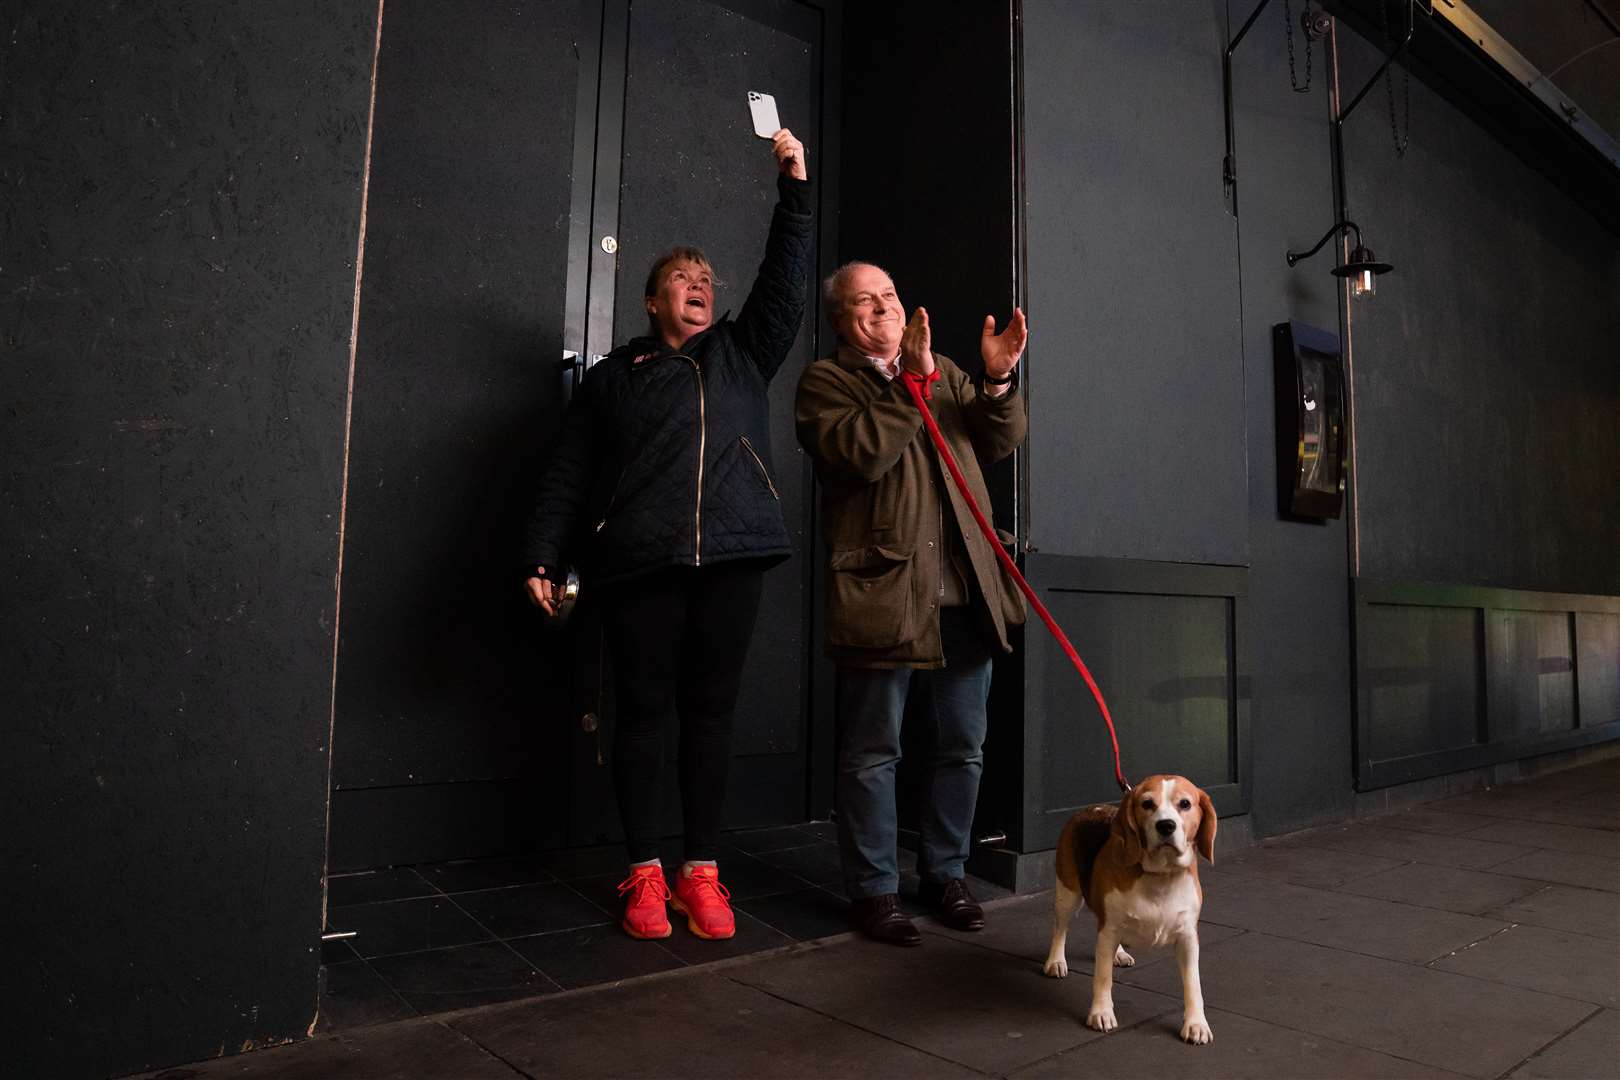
[1165,827]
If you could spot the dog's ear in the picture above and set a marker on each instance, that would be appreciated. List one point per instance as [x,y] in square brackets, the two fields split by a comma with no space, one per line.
[1125,828]
[1205,840]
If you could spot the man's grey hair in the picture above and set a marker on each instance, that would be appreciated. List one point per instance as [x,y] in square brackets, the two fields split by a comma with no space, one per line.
[832,289]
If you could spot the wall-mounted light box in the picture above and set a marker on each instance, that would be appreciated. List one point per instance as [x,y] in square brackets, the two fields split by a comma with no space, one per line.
[1309,370]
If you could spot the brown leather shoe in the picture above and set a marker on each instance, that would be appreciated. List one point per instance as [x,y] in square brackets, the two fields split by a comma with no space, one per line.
[880,918]
[952,903]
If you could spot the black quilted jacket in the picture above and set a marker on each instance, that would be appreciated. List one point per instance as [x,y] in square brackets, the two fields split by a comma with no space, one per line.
[664,458]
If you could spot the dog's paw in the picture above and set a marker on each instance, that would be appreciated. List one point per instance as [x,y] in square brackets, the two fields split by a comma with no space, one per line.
[1123,958]
[1102,1020]
[1196,1031]
[1057,967]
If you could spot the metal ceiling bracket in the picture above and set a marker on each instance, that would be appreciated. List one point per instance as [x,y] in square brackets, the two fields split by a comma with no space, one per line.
[1229,163]
[1406,43]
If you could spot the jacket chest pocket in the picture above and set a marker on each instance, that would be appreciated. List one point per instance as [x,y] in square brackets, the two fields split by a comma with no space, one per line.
[872,601]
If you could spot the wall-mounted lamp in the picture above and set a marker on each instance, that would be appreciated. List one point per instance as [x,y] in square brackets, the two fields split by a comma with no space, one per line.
[1361,268]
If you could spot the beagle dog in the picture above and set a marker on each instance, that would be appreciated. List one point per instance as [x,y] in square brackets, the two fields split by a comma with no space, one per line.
[1133,866]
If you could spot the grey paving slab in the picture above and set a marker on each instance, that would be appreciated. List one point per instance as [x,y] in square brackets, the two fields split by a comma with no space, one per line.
[752,936]
[977,1007]
[530,909]
[1304,864]
[1590,1052]
[370,886]
[1565,907]
[1533,806]
[353,996]
[1437,1018]
[1243,1048]
[1545,834]
[462,977]
[1424,819]
[688,1025]
[593,954]
[1566,868]
[403,1051]
[398,926]
[1408,845]
[1450,888]
[1551,961]
[1022,927]
[1354,923]
[804,915]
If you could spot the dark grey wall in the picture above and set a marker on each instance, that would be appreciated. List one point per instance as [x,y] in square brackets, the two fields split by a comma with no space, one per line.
[1136,366]
[181,198]
[1299,603]
[1486,377]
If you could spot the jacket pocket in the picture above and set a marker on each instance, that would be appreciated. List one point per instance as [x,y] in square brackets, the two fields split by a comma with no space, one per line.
[871,601]
[764,473]
[1013,610]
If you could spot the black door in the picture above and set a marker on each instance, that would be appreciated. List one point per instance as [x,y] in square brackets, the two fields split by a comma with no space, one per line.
[508,140]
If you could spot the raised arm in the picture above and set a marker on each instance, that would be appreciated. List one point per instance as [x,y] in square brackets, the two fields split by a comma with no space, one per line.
[770,316]
[996,418]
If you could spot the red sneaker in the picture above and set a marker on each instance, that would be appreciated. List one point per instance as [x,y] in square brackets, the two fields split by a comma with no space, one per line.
[646,891]
[702,899]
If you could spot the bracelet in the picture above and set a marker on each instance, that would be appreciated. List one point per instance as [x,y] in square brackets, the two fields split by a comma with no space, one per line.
[999,382]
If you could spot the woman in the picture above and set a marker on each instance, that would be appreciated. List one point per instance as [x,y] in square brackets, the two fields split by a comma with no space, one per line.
[661,489]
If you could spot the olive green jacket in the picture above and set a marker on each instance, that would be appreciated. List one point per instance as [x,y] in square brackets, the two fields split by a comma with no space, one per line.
[881,511]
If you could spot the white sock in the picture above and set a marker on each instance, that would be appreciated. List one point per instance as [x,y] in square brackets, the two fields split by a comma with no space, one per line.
[686,868]
[649,862]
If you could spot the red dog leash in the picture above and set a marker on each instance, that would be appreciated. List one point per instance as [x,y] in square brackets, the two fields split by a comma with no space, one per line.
[921,389]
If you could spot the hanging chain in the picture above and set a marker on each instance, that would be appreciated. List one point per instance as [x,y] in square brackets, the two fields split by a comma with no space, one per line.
[1401,139]
[1288,33]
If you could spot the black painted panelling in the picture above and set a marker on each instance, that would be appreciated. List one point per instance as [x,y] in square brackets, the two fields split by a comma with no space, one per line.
[695,173]
[1165,643]
[181,200]
[1533,657]
[1163,664]
[1597,647]
[1421,670]
[1484,371]
[1530,657]
[444,671]
[1136,358]
[1299,600]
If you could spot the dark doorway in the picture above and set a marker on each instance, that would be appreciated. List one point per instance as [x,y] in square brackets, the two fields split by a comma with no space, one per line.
[508,142]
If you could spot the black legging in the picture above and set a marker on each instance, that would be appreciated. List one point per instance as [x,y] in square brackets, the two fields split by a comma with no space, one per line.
[677,639]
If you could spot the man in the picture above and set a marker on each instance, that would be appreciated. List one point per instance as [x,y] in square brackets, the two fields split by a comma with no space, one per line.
[915,595]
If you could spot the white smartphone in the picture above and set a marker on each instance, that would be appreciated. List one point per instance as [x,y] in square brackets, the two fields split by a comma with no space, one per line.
[763,109]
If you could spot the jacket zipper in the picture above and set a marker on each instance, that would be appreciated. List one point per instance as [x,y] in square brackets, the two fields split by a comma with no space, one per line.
[703,438]
[763,471]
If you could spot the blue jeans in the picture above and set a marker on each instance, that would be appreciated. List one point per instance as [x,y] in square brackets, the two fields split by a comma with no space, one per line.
[870,705]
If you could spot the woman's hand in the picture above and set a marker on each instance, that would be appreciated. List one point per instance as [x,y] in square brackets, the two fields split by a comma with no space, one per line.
[1001,352]
[917,345]
[789,153]
[541,593]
